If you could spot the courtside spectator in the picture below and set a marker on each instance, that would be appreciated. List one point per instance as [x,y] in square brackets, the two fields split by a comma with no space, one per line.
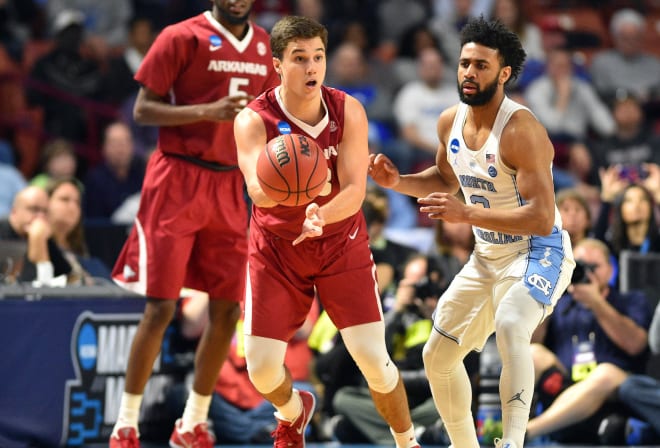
[117,177]
[44,264]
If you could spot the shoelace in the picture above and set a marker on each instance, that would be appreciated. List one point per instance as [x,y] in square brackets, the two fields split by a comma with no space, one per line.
[130,443]
[283,437]
[202,440]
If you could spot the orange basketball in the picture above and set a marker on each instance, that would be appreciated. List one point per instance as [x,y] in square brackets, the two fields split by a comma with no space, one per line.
[292,169]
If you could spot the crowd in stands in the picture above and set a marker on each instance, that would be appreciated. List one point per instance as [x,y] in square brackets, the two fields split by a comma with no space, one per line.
[71,154]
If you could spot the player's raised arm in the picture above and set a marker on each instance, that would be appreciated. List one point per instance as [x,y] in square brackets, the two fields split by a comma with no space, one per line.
[250,135]
[438,178]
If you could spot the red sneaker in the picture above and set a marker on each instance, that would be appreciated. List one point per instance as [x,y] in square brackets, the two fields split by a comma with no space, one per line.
[125,438]
[292,434]
[199,437]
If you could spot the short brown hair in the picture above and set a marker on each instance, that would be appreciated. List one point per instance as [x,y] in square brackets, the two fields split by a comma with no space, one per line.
[291,28]
[573,194]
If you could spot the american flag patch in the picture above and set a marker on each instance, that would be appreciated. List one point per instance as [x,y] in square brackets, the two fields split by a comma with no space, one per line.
[490,158]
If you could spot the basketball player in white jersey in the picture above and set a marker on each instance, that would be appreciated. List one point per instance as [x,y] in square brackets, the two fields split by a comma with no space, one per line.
[500,156]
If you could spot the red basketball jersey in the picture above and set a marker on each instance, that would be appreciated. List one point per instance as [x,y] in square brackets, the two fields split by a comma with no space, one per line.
[200,61]
[285,221]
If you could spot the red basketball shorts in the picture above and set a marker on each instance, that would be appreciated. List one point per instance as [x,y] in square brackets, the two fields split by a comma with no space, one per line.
[285,278]
[191,230]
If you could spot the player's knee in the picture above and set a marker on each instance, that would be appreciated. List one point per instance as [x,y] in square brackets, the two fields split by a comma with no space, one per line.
[158,313]
[376,366]
[265,377]
[224,313]
[382,376]
[265,363]
[440,354]
[509,329]
[428,354]
[372,359]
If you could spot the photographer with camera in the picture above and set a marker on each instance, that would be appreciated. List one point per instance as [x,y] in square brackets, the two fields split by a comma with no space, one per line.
[594,339]
[407,327]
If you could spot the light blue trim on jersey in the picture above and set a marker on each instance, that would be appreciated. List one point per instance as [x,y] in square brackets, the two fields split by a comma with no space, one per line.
[544,265]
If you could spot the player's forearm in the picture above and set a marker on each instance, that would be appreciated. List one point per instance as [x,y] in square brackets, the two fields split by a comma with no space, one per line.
[257,195]
[425,182]
[347,203]
[154,113]
[525,220]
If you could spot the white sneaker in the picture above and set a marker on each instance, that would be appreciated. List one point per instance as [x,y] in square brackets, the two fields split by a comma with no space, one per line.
[505,443]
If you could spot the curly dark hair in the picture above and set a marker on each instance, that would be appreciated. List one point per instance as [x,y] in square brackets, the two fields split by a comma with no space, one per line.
[493,34]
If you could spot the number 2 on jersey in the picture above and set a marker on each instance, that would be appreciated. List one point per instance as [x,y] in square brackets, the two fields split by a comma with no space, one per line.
[477,199]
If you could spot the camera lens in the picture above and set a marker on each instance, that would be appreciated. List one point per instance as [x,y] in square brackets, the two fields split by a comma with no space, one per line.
[580,273]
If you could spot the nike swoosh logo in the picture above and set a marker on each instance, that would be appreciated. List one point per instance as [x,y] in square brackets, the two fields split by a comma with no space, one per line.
[354,234]
[215,47]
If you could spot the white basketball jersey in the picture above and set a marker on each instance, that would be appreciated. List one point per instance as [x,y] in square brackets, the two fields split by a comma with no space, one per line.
[485,180]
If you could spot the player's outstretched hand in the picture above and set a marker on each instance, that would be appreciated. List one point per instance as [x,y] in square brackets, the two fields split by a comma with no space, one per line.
[313,224]
[226,108]
[383,171]
[443,206]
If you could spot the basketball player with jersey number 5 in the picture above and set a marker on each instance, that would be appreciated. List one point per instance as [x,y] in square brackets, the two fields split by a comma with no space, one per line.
[191,227]
[297,252]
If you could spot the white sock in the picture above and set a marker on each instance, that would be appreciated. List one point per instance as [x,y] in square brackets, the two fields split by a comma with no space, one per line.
[514,423]
[196,411]
[290,410]
[462,433]
[129,411]
[405,439]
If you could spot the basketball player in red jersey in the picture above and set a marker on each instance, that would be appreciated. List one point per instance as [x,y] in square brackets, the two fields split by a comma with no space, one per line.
[191,228]
[322,248]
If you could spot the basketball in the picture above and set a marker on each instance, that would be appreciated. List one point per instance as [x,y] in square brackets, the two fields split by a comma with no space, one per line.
[292,169]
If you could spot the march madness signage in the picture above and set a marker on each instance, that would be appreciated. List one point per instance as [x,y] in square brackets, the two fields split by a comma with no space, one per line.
[100,348]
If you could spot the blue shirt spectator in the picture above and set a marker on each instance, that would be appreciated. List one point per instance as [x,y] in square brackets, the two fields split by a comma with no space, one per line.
[11,179]
[572,318]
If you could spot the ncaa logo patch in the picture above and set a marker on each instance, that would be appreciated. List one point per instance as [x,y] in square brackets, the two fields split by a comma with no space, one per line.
[284,127]
[215,42]
[261,48]
[87,346]
[492,171]
[454,146]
